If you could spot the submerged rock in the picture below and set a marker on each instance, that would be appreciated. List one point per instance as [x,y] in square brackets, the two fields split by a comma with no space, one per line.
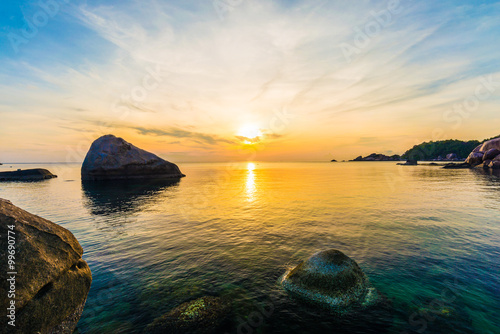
[112,158]
[36,174]
[409,162]
[52,280]
[205,315]
[332,280]
[463,165]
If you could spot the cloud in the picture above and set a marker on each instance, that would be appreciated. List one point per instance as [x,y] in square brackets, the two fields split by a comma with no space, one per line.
[201,138]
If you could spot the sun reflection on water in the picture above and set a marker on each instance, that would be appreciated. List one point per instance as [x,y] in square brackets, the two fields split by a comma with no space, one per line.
[250,184]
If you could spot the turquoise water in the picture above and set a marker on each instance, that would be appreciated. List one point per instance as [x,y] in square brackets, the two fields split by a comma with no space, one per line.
[428,239]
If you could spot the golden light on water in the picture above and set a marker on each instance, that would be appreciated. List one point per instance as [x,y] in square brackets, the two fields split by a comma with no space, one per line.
[251,187]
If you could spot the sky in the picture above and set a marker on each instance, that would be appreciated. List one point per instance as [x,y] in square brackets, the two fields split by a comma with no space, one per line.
[236,80]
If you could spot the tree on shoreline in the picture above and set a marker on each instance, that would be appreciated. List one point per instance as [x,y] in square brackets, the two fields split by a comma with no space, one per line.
[433,149]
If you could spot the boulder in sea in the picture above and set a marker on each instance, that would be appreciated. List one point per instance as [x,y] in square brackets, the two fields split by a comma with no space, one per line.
[488,145]
[332,280]
[112,158]
[205,315]
[486,164]
[489,150]
[52,280]
[495,163]
[491,154]
[475,158]
[36,174]
[451,156]
[478,148]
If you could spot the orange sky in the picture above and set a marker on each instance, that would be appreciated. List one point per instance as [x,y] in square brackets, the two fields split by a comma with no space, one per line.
[274,81]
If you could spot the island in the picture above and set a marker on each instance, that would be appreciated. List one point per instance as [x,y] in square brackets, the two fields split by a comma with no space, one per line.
[378,157]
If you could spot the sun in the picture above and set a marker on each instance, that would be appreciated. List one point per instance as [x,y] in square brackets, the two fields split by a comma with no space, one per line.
[250,131]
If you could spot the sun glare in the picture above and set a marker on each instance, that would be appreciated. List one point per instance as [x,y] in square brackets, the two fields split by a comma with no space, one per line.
[250,131]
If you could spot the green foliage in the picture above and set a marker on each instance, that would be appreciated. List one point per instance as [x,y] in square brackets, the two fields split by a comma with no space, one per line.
[431,150]
[490,139]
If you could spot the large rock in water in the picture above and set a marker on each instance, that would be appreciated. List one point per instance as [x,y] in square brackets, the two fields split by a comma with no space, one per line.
[489,150]
[475,158]
[36,174]
[52,280]
[495,163]
[451,156]
[332,280]
[112,158]
[491,154]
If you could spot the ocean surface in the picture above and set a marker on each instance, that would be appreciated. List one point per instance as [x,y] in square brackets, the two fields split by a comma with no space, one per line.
[428,239]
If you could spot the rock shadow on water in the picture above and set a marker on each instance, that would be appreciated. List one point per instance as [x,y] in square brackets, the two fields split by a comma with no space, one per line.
[495,173]
[118,196]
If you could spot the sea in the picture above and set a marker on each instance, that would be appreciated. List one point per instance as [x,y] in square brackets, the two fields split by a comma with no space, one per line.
[428,239]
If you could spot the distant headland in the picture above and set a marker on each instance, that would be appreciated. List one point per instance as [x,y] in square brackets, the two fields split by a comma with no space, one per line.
[443,150]
[378,157]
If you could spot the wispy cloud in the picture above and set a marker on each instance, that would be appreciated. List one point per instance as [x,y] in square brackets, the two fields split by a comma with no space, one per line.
[201,138]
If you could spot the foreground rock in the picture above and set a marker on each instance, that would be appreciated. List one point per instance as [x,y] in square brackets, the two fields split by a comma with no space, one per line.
[332,280]
[112,158]
[27,175]
[205,315]
[486,154]
[52,280]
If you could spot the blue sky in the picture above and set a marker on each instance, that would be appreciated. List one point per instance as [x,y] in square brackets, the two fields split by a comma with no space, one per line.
[315,79]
